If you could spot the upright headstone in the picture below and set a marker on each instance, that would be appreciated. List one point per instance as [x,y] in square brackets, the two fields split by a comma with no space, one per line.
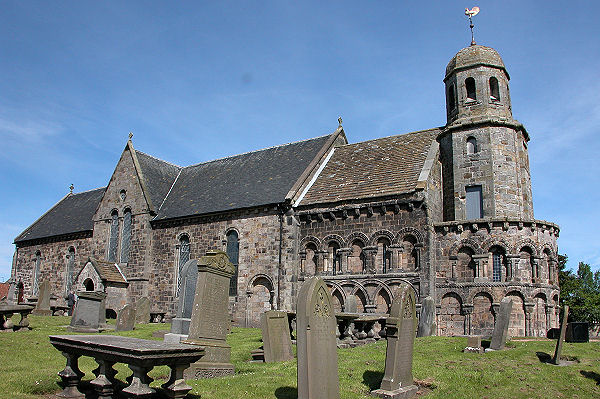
[500,333]
[90,312]
[351,305]
[11,297]
[400,332]
[561,338]
[276,336]
[142,311]
[126,318]
[316,342]
[427,318]
[474,344]
[180,325]
[210,316]
[42,307]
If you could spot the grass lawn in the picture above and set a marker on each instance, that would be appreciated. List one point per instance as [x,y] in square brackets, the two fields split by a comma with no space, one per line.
[28,367]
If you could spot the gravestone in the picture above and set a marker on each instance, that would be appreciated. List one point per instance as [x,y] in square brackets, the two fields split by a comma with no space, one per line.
[561,338]
[474,344]
[42,307]
[351,305]
[277,344]
[316,342]
[500,333]
[142,311]
[11,296]
[578,331]
[400,332]
[90,312]
[180,325]
[427,318]
[126,318]
[210,316]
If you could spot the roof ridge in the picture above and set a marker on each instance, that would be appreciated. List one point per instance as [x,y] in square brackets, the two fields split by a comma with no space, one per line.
[158,159]
[262,149]
[93,189]
[392,136]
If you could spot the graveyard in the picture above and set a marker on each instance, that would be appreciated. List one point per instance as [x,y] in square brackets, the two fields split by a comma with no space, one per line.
[30,364]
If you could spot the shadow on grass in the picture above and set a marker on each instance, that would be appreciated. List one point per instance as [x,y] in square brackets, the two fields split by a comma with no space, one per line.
[286,393]
[591,375]
[372,379]
[544,357]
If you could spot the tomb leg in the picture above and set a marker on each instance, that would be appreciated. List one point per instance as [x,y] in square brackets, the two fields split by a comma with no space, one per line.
[176,386]
[24,322]
[104,383]
[8,324]
[71,376]
[139,382]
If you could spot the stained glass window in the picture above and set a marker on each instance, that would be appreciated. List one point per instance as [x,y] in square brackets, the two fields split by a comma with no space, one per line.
[114,237]
[126,239]
[233,252]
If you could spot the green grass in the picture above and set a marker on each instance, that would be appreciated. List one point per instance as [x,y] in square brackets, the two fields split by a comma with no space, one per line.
[28,367]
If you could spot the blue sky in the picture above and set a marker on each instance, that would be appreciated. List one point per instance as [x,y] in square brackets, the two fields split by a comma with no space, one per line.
[196,81]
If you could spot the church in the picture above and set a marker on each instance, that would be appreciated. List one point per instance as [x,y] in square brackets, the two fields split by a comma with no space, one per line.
[447,210]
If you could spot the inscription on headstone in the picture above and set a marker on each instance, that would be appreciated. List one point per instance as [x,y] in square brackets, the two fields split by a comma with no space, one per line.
[400,333]
[90,312]
[500,333]
[42,307]
[276,336]
[561,338]
[142,311]
[427,318]
[316,340]
[125,318]
[210,316]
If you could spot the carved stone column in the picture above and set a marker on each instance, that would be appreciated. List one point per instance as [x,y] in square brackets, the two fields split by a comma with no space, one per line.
[528,325]
[418,249]
[320,266]
[468,311]
[302,255]
[513,266]
[453,262]
[369,253]
[343,256]
[480,266]
[396,250]
[535,269]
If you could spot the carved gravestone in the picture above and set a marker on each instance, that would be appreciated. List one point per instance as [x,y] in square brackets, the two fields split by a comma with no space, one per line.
[276,336]
[500,333]
[427,318]
[351,305]
[561,337]
[400,332]
[210,316]
[316,342]
[90,312]
[126,318]
[142,311]
[180,325]
[42,307]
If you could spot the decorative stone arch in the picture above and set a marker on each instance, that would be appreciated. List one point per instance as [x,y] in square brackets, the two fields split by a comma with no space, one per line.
[229,230]
[362,237]
[181,234]
[450,292]
[538,293]
[482,290]
[496,242]
[517,324]
[482,316]
[259,298]
[466,243]
[261,278]
[311,240]
[359,287]
[382,234]
[406,231]
[540,318]
[547,248]
[337,292]
[451,318]
[335,238]
[526,243]
[389,283]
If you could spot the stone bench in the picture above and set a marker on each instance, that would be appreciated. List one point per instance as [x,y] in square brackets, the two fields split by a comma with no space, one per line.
[8,310]
[140,355]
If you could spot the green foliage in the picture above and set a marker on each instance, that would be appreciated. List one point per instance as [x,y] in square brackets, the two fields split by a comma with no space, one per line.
[580,291]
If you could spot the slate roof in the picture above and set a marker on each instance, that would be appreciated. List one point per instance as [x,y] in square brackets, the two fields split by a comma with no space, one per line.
[380,167]
[72,214]
[158,176]
[108,271]
[247,180]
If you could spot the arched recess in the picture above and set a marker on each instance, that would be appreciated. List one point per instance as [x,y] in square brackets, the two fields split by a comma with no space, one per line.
[549,266]
[259,298]
[526,242]
[88,284]
[495,242]
[379,234]
[338,294]
[311,259]
[554,322]
[465,265]
[362,237]
[362,294]
[382,299]
[516,325]
[333,243]
[356,258]
[451,320]
[538,317]
[499,261]
[409,258]
[482,318]
[409,231]
[527,265]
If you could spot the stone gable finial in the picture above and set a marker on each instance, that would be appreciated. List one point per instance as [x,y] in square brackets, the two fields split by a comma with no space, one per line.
[471,13]
[130,135]
[340,121]
[71,187]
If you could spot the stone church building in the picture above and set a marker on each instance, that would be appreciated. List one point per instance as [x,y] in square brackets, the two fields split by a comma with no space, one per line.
[448,210]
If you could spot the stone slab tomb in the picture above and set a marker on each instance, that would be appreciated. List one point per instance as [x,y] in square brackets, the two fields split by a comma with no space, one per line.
[180,325]
[427,325]
[126,318]
[500,334]
[316,342]
[42,307]
[474,344]
[142,311]
[561,337]
[90,312]
[210,316]
[401,327]
[277,345]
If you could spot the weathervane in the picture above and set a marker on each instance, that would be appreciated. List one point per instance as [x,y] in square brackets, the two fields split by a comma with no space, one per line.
[71,187]
[471,13]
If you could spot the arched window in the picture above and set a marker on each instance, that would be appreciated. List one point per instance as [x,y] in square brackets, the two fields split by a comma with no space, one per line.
[498,264]
[126,238]
[451,98]
[69,271]
[233,253]
[88,284]
[36,273]
[310,263]
[334,257]
[383,255]
[471,145]
[113,242]
[494,89]
[471,92]
[183,257]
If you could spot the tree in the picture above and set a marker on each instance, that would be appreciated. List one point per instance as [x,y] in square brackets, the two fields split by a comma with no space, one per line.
[580,290]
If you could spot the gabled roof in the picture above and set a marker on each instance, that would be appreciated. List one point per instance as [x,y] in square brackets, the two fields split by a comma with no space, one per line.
[158,176]
[108,271]
[72,214]
[375,168]
[252,179]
